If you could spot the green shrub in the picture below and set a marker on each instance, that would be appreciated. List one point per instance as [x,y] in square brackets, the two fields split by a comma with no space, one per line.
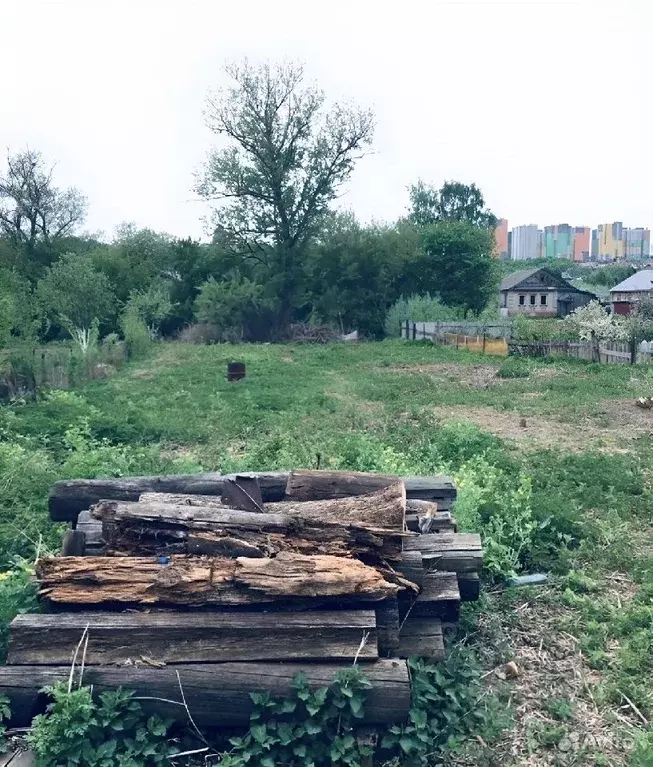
[424,308]
[17,596]
[514,367]
[138,340]
[5,714]
[110,732]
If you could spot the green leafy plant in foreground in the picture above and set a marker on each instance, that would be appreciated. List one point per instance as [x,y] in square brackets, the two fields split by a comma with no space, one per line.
[5,713]
[448,707]
[307,729]
[112,732]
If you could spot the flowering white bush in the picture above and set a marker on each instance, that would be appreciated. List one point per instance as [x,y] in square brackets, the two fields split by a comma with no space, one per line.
[592,321]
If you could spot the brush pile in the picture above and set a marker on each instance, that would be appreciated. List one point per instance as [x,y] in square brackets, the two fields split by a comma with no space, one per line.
[216,587]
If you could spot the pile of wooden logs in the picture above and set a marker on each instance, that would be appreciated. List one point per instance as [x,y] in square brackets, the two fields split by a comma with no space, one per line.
[227,585]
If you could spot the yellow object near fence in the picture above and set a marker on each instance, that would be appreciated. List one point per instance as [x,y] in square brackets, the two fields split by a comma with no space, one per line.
[484,345]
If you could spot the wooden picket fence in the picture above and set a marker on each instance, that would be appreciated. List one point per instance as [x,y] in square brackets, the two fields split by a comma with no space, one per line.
[606,353]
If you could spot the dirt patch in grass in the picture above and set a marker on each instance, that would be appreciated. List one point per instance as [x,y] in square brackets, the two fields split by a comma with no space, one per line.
[610,427]
[472,376]
[557,718]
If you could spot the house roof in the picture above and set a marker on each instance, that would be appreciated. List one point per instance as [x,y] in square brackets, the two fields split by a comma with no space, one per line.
[636,282]
[509,282]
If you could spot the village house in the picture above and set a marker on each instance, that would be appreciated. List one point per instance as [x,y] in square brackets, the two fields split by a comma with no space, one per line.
[539,292]
[627,293]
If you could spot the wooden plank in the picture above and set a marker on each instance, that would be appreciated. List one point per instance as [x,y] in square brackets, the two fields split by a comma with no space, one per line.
[469,585]
[178,637]
[411,567]
[304,485]
[74,544]
[421,636]
[451,552]
[370,525]
[440,522]
[387,626]
[242,492]
[215,693]
[195,581]
[69,497]
[439,598]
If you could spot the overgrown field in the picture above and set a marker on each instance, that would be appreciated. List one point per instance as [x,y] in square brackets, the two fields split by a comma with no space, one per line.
[555,469]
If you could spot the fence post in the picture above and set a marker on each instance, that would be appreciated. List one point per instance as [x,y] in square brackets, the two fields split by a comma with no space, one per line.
[414,331]
[483,343]
[633,351]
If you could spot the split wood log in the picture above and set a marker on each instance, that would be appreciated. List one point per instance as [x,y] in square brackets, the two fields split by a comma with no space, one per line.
[422,636]
[69,497]
[469,586]
[209,637]
[439,598]
[216,694]
[207,581]
[307,485]
[369,526]
[451,552]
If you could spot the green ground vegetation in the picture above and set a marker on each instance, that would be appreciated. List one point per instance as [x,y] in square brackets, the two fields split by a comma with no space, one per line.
[554,466]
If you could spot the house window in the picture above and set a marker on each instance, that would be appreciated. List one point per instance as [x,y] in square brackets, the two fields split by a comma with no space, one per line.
[532,300]
[543,299]
[522,300]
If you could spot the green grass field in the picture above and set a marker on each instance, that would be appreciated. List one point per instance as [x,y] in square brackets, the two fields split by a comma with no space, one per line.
[555,470]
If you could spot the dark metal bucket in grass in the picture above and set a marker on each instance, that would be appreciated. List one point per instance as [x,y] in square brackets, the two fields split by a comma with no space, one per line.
[235,371]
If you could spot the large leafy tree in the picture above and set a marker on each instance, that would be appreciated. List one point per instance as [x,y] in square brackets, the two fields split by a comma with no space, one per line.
[459,265]
[77,296]
[284,157]
[453,202]
[34,213]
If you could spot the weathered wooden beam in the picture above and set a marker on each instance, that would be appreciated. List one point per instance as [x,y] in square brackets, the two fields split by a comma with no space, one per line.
[305,485]
[217,694]
[469,585]
[193,581]
[451,552]
[387,626]
[73,544]
[69,497]
[411,567]
[421,636]
[438,522]
[439,598]
[370,525]
[183,637]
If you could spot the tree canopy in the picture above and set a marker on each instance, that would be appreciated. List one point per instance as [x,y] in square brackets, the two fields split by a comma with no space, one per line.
[286,156]
[453,202]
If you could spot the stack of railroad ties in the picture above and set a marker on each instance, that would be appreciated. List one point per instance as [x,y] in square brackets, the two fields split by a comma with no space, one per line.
[222,586]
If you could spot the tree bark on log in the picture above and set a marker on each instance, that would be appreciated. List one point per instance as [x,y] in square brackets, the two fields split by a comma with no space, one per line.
[209,637]
[207,581]
[307,485]
[216,694]
[370,526]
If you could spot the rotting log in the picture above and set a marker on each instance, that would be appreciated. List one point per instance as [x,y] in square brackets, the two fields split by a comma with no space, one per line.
[369,526]
[69,497]
[183,580]
[438,598]
[207,637]
[216,694]
[451,552]
[469,586]
[421,636]
[307,485]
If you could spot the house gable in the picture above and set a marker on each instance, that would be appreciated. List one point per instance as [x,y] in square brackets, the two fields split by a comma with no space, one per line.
[536,280]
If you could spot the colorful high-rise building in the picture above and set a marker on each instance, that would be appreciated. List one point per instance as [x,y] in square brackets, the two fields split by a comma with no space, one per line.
[524,243]
[594,251]
[637,244]
[582,235]
[611,241]
[558,241]
[501,239]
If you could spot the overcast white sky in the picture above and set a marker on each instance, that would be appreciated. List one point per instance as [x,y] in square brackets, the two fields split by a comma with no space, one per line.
[545,105]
